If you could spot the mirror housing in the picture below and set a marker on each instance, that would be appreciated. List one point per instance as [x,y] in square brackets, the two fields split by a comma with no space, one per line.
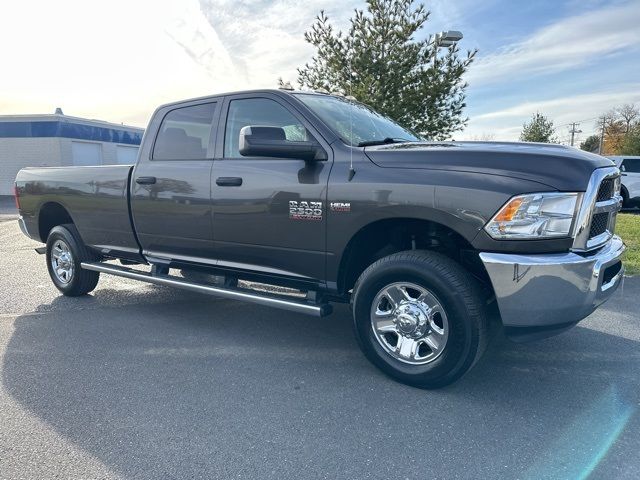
[258,141]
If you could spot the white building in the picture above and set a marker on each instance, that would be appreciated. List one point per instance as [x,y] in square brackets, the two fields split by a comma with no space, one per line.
[60,140]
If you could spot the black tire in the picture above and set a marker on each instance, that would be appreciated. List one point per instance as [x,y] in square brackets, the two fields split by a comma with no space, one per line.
[626,203]
[455,289]
[79,282]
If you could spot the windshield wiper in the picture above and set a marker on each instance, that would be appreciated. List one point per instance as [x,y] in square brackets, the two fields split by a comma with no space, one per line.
[384,141]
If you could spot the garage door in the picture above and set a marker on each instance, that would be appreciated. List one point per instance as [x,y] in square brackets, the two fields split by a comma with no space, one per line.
[126,155]
[86,153]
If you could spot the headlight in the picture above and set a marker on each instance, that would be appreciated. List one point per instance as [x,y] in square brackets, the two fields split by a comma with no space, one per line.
[536,215]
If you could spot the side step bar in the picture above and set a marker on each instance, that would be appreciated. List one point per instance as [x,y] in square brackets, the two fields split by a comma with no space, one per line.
[277,301]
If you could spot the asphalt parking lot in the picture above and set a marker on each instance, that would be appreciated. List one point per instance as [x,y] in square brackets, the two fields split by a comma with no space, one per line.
[138,381]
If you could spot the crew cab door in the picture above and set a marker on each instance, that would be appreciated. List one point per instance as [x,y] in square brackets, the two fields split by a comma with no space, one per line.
[171,183]
[269,213]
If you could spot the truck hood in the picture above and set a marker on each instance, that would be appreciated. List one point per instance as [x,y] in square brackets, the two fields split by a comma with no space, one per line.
[560,167]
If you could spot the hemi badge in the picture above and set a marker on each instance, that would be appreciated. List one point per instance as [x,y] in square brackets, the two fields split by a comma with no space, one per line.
[340,207]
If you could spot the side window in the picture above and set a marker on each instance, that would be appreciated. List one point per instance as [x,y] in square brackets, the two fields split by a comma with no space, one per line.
[184,133]
[259,112]
[631,165]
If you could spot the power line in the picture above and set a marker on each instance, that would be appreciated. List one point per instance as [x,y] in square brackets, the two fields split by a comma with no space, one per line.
[579,121]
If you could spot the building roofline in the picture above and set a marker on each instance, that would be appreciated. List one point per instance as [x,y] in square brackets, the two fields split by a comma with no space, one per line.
[52,117]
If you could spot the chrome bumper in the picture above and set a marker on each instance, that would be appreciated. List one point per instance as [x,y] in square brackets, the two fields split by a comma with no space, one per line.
[23,226]
[548,290]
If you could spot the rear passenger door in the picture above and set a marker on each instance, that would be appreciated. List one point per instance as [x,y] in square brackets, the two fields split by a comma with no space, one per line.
[171,185]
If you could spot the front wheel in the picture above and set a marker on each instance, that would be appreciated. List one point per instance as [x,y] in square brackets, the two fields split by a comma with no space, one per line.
[65,253]
[419,317]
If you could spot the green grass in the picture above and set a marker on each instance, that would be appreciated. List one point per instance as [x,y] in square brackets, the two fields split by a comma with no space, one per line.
[628,227]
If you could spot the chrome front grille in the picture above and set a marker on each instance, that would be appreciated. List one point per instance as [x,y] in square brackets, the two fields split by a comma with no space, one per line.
[606,190]
[599,224]
[600,204]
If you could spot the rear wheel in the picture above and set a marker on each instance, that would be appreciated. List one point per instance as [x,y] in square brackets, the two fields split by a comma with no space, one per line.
[65,253]
[420,318]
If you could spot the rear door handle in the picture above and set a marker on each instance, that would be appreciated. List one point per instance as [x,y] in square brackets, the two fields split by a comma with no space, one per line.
[229,181]
[146,180]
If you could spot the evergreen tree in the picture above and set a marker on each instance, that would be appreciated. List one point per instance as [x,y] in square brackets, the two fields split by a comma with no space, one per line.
[382,63]
[591,143]
[539,129]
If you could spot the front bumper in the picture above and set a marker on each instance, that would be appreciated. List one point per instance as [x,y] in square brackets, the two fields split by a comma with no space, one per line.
[546,292]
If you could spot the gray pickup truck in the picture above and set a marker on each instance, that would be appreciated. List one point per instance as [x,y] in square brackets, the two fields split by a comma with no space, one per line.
[323,195]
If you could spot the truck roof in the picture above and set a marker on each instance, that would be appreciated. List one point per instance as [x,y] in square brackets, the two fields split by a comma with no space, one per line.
[276,91]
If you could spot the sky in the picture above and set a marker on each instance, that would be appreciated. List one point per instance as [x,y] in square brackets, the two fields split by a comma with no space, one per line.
[117,61]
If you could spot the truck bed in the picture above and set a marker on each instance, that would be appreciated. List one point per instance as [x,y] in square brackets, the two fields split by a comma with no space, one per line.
[96,197]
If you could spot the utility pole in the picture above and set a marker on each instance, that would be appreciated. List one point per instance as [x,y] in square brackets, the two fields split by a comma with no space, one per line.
[601,144]
[573,131]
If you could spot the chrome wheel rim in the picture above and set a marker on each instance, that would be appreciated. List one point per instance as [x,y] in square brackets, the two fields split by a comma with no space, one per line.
[62,262]
[410,323]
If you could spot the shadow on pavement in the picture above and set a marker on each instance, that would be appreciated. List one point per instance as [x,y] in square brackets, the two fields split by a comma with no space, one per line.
[219,389]
[125,295]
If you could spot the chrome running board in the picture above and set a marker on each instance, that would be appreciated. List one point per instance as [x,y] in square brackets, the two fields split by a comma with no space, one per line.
[269,300]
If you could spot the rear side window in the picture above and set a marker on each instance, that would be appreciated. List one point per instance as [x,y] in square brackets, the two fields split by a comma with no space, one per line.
[184,133]
[631,165]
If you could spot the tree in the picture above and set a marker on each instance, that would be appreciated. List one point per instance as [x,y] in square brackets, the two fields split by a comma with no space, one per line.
[381,63]
[539,129]
[614,132]
[631,142]
[620,129]
[591,143]
[627,113]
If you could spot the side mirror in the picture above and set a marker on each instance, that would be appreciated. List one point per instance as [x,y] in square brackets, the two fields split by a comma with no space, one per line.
[257,141]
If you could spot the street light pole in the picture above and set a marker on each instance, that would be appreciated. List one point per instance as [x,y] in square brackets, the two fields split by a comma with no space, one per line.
[445,40]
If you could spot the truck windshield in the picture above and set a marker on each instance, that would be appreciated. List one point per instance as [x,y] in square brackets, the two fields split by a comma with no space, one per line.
[355,123]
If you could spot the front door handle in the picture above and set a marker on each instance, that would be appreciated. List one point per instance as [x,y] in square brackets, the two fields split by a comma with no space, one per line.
[229,181]
[146,180]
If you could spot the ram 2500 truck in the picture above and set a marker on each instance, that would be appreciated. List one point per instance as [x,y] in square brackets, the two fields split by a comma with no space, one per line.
[323,195]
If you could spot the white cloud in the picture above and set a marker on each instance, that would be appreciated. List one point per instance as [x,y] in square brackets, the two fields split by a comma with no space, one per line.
[576,41]
[267,37]
[506,124]
[111,61]
[119,60]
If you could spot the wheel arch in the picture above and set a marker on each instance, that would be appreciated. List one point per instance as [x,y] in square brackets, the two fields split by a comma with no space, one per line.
[50,215]
[384,237]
